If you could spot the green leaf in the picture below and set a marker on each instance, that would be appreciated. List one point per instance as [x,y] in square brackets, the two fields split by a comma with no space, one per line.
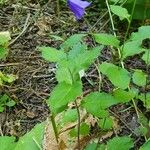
[52,55]
[7,143]
[1,108]
[84,130]
[4,98]
[4,38]
[106,123]
[62,94]
[9,78]
[141,131]
[118,76]
[143,33]
[146,57]
[145,98]
[123,96]
[70,116]
[77,50]
[72,40]
[123,143]
[141,11]
[85,59]
[106,39]
[139,78]
[96,103]
[10,103]
[121,12]
[33,139]
[3,52]
[146,145]
[131,48]
[93,146]
[56,38]
[64,75]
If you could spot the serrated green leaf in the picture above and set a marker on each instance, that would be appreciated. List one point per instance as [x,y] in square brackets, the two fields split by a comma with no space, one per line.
[33,139]
[70,115]
[106,39]
[52,55]
[139,78]
[84,130]
[71,41]
[131,48]
[121,12]
[85,59]
[123,96]
[123,143]
[146,145]
[96,103]
[77,50]
[62,94]
[143,33]
[7,143]
[64,75]
[118,76]
[105,123]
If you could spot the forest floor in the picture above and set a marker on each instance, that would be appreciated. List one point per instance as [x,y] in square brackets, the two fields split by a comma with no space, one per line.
[31,25]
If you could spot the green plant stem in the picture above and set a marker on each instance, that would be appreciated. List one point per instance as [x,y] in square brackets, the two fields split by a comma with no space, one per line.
[129,23]
[147,67]
[58,9]
[100,136]
[119,50]
[78,126]
[99,75]
[54,127]
[101,17]
[113,27]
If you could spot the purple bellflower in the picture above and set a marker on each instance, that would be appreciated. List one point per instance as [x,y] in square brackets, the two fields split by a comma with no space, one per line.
[78,7]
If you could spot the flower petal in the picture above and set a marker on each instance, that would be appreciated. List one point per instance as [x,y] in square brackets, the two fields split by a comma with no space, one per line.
[78,12]
[78,7]
[80,3]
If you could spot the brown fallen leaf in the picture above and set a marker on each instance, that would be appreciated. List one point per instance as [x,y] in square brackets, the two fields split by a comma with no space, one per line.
[49,141]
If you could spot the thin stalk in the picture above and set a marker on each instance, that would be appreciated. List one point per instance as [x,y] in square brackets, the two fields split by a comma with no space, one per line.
[129,23]
[54,127]
[100,136]
[99,75]
[147,66]
[111,19]
[122,64]
[58,9]
[113,27]
[78,126]
[101,17]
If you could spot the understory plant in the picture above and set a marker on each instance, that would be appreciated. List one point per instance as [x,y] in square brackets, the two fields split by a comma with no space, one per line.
[5,100]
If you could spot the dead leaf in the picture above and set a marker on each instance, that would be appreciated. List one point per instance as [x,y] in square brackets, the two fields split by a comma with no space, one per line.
[49,141]
[44,25]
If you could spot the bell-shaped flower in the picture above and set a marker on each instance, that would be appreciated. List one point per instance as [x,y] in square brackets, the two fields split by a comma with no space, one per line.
[78,7]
